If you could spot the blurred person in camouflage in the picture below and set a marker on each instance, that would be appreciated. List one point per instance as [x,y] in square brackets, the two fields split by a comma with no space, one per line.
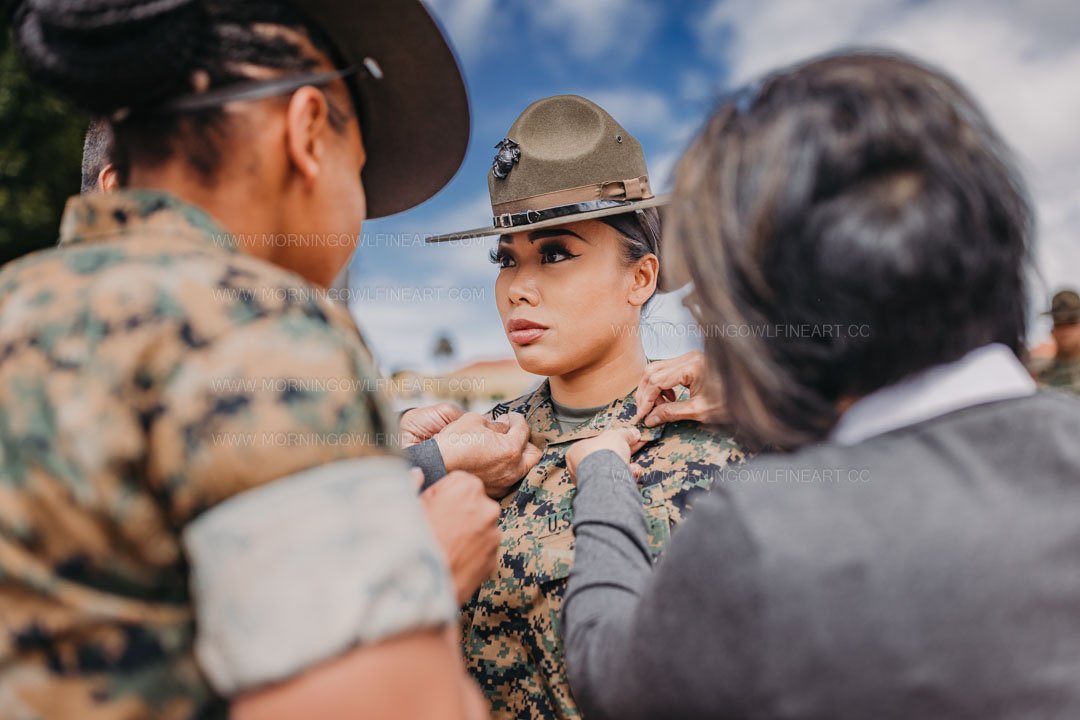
[185,528]
[1063,370]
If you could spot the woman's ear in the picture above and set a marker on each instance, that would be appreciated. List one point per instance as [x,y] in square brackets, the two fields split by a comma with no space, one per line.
[646,275]
[108,179]
[306,121]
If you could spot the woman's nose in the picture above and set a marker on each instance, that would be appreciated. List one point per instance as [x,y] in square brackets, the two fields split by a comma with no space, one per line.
[523,289]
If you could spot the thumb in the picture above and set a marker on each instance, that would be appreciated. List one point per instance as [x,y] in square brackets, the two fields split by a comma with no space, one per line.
[517,430]
[530,457]
[674,411]
[630,434]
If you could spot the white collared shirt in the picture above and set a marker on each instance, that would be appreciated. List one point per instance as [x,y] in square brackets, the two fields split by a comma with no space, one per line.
[986,374]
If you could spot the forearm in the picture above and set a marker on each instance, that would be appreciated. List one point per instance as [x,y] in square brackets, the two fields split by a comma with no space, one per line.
[612,566]
[376,681]
[427,456]
[637,640]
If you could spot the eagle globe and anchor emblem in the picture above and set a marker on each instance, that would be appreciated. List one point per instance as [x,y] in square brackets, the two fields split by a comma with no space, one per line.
[508,156]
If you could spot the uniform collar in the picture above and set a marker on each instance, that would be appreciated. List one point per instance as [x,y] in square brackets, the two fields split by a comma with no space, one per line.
[987,374]
[100,217]
[545,430]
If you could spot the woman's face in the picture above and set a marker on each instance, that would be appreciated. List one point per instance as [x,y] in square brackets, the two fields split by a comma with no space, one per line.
[1067,338]
[566,296]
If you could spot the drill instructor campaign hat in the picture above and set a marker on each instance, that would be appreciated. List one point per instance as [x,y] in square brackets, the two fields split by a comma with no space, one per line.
[564,160]
[408,91]
[1065,308]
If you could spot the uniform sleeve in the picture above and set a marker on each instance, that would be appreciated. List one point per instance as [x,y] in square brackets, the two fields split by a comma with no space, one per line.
[301,525]
[674,642]
[427,456]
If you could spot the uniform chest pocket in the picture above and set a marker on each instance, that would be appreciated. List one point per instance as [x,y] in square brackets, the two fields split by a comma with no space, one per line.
[551,544]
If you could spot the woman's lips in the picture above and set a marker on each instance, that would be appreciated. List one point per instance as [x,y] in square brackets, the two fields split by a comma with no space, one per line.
[524,337]
[523,332]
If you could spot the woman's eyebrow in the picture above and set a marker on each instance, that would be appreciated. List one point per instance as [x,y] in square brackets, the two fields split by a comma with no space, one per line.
[554,232]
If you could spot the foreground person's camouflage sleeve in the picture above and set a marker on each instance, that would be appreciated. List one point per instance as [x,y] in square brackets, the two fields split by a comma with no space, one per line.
[151,376]
[511,636]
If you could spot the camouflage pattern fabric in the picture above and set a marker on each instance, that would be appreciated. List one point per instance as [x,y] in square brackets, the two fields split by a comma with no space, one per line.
[512,642]
[1061,374]
[149,370]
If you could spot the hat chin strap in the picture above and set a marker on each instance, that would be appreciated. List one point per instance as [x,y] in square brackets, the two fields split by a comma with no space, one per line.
[240,91]
[636,188]
[530,217]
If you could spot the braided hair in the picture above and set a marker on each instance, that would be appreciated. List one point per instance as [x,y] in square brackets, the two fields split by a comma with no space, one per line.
[121,58]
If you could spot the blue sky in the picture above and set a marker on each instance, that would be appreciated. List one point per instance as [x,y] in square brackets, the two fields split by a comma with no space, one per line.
[657,67]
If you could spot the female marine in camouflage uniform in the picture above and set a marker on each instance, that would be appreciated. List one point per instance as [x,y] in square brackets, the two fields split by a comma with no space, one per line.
[578,262]
[189,522]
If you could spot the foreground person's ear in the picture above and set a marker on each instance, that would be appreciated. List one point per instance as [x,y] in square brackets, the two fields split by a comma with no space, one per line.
[306,120]
[108,180]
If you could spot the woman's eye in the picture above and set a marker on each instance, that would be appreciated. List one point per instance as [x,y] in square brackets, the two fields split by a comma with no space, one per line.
[502,259]
[555,254]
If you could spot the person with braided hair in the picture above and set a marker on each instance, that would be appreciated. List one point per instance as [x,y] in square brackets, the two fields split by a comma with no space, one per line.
[200,511]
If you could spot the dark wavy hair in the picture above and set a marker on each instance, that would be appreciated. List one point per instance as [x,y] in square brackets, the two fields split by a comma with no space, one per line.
[109,56]
[846,224]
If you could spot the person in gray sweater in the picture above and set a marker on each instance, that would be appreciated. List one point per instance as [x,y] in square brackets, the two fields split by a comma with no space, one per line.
[910,547]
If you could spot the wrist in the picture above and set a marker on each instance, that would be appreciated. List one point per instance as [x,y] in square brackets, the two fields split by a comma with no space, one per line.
[603,464]
[446,449]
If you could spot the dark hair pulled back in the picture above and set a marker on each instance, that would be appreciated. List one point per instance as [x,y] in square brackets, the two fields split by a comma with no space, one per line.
[113,55]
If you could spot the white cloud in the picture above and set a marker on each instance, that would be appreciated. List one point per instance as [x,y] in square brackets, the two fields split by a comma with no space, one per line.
[437,288]
[466,22]
[639,110]
[1020,60]
[668,329]
[596,30]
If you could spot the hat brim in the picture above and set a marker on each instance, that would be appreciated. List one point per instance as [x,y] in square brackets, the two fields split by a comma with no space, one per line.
[1067,318]
[658,201]
[415,117]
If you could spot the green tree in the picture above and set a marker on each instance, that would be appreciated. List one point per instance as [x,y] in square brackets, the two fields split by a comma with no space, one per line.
[41,139]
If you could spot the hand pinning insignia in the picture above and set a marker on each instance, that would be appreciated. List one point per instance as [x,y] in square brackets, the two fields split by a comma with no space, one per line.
[509,155]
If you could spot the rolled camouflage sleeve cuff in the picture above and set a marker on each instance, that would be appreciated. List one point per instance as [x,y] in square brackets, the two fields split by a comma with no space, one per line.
[296,572]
